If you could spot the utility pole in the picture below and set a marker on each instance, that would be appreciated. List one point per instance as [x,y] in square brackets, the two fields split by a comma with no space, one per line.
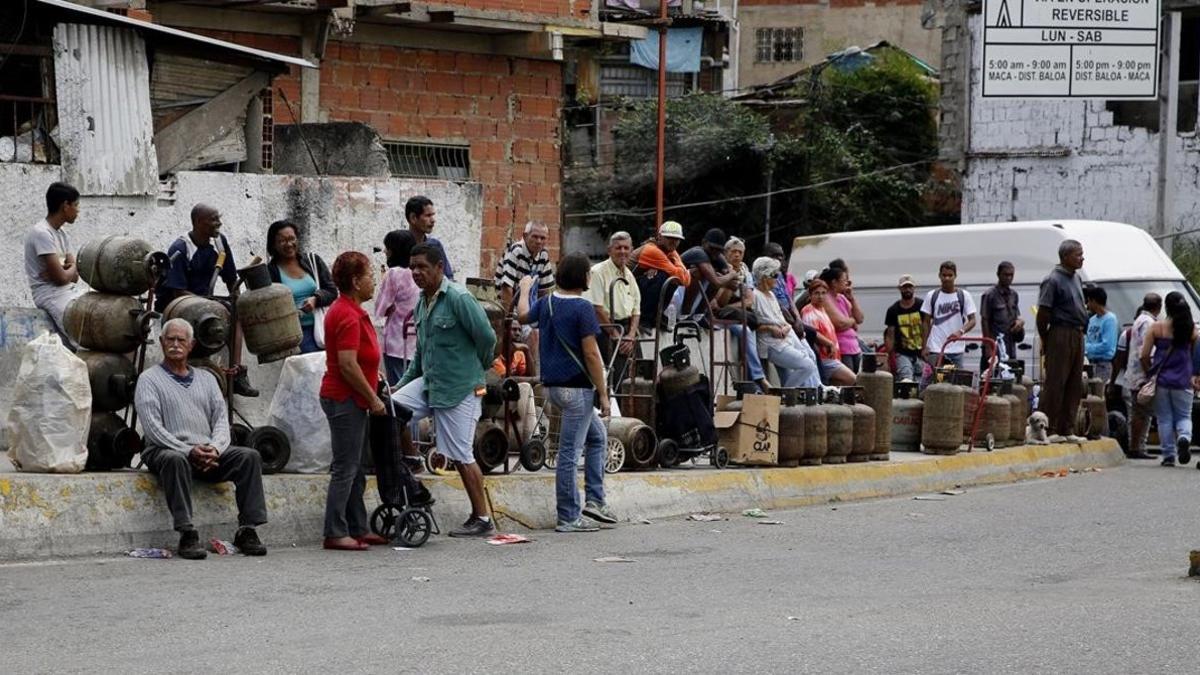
[663,22]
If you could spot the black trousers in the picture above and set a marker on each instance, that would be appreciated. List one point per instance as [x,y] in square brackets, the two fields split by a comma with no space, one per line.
[241,466]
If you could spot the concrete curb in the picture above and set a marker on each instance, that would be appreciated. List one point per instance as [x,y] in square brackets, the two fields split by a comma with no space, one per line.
[47,515]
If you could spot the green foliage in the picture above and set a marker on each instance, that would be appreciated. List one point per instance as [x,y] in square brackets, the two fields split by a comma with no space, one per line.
[1186,255]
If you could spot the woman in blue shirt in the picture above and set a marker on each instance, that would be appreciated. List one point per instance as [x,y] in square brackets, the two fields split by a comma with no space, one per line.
[312,289]
[573,374]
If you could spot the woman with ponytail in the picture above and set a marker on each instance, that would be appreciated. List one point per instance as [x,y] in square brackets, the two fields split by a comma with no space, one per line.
[1167,357]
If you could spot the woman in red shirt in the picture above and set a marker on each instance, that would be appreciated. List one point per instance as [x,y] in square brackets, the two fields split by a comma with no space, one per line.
[347,396]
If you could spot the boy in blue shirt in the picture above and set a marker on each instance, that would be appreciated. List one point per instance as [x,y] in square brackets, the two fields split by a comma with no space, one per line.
[1100,343]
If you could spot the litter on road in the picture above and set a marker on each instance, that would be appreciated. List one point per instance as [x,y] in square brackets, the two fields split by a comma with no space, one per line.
[770,522]
[930,498]
[754,513]
[152,553]
[612,559]
[502,539]
[420,579]
[705,517]
[222,547]
[954,493]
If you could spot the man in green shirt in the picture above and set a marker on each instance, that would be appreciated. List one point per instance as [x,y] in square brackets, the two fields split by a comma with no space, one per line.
[445,379]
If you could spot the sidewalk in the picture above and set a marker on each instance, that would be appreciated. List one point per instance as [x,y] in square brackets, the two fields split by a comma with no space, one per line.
[47,515]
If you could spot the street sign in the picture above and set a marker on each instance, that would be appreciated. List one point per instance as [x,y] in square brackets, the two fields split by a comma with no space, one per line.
[1071,49]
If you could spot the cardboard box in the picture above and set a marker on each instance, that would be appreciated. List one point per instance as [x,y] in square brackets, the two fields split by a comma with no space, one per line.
[751,435]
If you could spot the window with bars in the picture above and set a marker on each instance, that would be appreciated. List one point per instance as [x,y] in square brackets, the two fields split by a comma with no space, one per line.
[778,45]
[428,160]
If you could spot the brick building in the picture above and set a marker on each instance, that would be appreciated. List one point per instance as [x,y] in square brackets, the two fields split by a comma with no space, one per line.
[467,90]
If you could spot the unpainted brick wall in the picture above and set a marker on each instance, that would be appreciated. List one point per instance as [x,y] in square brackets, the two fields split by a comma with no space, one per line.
[507,109]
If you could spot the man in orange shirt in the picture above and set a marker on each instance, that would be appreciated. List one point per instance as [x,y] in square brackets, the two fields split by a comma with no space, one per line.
[653,263]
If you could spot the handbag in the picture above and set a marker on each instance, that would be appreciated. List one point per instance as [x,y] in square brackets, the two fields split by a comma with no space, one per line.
[1146,393]
[318,313]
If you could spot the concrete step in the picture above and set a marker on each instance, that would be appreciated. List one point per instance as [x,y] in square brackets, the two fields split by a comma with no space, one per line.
[48,515]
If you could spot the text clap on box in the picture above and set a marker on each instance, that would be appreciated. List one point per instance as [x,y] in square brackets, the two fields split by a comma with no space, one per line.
[751,435]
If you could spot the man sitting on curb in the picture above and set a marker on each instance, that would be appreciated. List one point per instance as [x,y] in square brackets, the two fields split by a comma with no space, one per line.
[186,427]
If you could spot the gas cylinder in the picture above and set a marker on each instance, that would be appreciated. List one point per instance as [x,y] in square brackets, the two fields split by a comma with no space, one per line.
[942,421]
[1097,416]
[268,317]
[490,446]
[675,381]
[105,323]
[791,429]
[115,264]
[816,432]
[877,393]
[996,423]
[862,442]
[638,404]
[970,405]
[209,320]
[907,411]
[638,439]
[112,377]
[1094,386]
[111,444]
[839,425]
[1020,412]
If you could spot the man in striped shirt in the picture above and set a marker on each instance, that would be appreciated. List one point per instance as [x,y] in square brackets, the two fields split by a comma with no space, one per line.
[186,426]
[525,258]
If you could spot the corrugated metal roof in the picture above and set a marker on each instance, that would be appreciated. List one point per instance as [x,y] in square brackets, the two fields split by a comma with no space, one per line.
[118,20]
[103,83]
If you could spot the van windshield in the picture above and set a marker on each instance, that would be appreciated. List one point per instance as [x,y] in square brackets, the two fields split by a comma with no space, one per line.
[1125,296]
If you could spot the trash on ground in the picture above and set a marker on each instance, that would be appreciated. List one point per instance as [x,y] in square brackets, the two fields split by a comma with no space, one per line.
[793,618]
[502,539]
[930,498]
[1061,473]
[1092,469]
[646,521]
[715,531]
[953,493]
[705,517]
[754,513]
[420,579]
[150,553]
[612,559]
[770,522]
[222,547]
[402,548]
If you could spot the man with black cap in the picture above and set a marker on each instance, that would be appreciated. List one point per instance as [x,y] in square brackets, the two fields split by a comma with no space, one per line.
[707,264]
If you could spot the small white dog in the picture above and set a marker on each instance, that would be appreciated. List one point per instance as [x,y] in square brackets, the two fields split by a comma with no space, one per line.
[1035,431]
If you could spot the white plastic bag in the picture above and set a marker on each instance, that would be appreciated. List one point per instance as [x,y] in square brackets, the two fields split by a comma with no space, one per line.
[296,411]
[51,411]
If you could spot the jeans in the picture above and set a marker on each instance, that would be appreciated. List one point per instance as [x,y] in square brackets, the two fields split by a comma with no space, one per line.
[308,343]
[394,367]
[345,512]
[796,363]
[853,362]
[581,430]
[1173,407]
[241,466]
[908,368]
[749,349]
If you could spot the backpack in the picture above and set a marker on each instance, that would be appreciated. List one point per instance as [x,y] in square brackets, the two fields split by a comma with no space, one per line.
[962,302]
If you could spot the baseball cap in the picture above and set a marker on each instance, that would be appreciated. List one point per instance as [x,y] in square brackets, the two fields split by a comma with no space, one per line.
[671,230]
[906,280]
[716,237]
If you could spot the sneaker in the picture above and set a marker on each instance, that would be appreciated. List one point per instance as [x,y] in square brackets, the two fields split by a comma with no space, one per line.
[189,546]
[599,512]
[241,386]
[576,525]
[1183,447]
[474,527]
[248,543]
[1168,461]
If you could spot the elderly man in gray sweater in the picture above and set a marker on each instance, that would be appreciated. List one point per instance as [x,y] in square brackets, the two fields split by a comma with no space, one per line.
[186,427]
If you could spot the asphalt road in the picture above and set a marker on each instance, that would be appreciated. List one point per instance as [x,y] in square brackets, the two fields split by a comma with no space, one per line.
[1085,573]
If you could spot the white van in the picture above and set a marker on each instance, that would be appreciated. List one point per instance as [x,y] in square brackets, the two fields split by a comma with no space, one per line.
[1123,259]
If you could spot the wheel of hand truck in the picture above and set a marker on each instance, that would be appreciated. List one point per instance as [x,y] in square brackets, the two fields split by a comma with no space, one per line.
[239,434]
[720,457]
[551,458]
[668,453]
[615,457]
[989,442]
[273,446]
[413,528]
[533,455]
[436,463]
[384,519]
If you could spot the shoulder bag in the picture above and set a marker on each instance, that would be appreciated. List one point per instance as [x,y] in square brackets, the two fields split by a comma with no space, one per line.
[1146,393]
